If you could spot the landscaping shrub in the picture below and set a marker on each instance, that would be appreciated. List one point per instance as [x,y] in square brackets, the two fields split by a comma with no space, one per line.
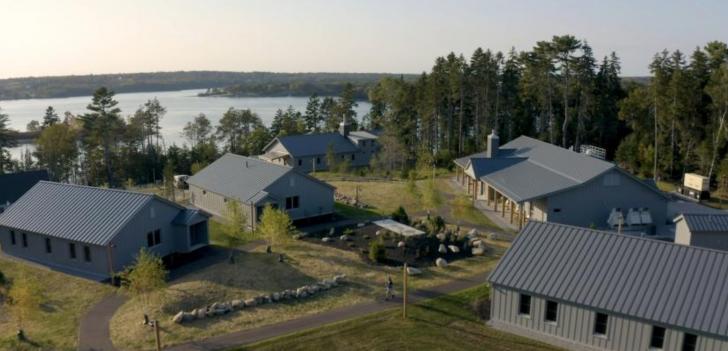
[481,308]
[3,281]
[436,224]
[400,215]
[377,252]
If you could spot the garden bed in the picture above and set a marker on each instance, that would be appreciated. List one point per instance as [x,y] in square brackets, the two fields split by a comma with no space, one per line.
[418,251]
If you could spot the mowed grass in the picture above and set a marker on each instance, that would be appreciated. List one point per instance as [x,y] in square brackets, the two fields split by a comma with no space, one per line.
[256,273]
[444,323]
[55,327]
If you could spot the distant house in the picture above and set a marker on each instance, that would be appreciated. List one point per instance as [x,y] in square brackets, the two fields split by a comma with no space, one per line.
[14,185]
[583,289]
[307,152]
[531,179]
[93,232]
[703,230]
[256,183]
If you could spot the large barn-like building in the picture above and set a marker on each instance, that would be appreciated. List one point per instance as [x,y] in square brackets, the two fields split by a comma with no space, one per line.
[531,179]
[583,289]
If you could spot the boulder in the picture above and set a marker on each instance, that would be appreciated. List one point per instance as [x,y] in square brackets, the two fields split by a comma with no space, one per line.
[179,317]
[401,244]
[215,306]
[339,278]
[441,236]
[360,225]
[297,236]
[413,271]
[472,233]
[344,238]
[332,231]
[477,243]
[251,303]
[236,304]
[200,313]
[312,289]
[275,296]
[453,248]
[219,312]
[441,262]
[326,239]
[442,249]
[478,251]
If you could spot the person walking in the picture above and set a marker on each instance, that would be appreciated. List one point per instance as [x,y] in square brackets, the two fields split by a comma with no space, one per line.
[389,286]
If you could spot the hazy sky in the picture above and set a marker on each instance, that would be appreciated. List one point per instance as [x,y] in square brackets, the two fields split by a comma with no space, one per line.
[59,37]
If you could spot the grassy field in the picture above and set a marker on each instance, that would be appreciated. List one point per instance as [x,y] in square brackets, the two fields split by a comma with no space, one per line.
[445,323]
[385,196]
[56,326]
[256,272]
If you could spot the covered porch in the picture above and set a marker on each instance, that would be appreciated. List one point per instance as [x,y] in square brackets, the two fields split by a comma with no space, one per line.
[514,214]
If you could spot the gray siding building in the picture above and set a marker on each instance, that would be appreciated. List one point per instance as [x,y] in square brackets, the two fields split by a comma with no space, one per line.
[307,152]
[589,290]
[92,232]
[531,179]
[255,184]
[703,230]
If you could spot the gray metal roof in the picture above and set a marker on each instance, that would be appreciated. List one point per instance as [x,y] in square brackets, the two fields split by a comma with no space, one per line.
[316,144]
[14,185]
[238,176]
[527,168]
[191,216]
[73,212]
[651,280]
[705,222]
[363,134]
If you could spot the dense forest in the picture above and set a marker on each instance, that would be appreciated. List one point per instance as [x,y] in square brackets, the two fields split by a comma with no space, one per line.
[661,126]
[237,83]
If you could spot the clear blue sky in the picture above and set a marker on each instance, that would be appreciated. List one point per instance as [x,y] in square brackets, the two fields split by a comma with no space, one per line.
[58,37]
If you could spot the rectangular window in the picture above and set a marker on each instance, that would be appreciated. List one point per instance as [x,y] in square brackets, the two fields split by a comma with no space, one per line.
[72,250]
[87,254]
[318,160]
[690,342]
[657,340]
[12,238]
[524,305]
[300,162]
[600,324]
[157,237]
[150,239]
[557,210]
[352,157]
[482,188]
[552,310]
[25,240]
[49,249]
[291,202]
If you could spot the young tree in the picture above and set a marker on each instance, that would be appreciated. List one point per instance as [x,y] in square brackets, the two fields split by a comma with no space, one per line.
[275,226]
[33,126]
[331,160]
[169,180]
[145,277]
[235,229]
[50,117]
[235,126]
[56,150]
[25,297]
[313,116]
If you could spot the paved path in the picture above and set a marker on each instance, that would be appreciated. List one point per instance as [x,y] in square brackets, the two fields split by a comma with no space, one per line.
[94,330]
[249,336]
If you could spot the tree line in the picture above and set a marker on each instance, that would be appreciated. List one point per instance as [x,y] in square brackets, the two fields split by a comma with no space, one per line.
[100,147]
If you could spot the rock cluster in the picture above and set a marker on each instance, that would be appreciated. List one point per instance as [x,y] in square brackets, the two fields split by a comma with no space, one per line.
[222,308]
[348,200]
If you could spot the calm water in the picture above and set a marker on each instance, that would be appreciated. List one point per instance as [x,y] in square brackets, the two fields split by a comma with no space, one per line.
[182,107]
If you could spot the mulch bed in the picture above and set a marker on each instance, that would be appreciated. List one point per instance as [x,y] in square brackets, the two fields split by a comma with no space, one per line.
[359,239]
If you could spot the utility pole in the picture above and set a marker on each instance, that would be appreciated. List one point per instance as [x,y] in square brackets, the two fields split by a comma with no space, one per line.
[404,291]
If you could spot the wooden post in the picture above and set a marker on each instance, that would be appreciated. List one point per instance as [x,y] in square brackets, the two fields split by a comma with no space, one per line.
[512,210]
[520,220]
[156,333]
[495,201]
[404,291]
[503,207]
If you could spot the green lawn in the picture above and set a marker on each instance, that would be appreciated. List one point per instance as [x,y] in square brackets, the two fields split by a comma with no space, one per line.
[354,212]
[66,299]
[445,323]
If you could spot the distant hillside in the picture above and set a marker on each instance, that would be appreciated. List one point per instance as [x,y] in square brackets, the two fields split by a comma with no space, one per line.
[638,80]
[230,83]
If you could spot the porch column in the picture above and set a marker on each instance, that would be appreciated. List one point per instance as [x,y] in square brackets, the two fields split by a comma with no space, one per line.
[503,206]
[511,203]
[495,201]
[487,194]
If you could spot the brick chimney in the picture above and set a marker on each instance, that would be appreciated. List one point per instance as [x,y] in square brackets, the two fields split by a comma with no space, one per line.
[493,145]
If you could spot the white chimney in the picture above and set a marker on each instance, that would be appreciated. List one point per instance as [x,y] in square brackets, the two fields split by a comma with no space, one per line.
[493,145]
